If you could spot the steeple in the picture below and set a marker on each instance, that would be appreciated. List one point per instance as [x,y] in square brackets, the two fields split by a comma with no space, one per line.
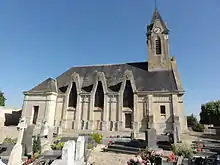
[156,16]
[157,41]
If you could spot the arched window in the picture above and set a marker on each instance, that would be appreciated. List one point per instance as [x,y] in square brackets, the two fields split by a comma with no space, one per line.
[158,45]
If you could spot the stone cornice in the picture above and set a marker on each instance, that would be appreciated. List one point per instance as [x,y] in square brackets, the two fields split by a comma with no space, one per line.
[160,92]
[26,93]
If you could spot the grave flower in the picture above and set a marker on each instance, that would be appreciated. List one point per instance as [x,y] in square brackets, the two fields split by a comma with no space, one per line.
[171,157]
[110,142]
[148,156]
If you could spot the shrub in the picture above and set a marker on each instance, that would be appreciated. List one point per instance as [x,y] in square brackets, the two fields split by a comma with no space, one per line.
[57,146]
[37,145]
[8,140]
[97,137]
[181,149]
[198,128]
[89,146]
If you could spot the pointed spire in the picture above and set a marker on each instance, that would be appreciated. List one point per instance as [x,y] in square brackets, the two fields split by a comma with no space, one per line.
[157,16]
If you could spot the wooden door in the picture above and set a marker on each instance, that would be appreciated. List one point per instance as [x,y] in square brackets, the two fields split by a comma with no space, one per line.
[36,109]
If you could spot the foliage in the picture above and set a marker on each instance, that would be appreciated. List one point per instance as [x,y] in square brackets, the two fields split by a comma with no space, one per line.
[57,146]
[2,99]
[8,140]
[89,146]
[37,145]
[181,149]
[210,113]
[146,156]
[192,121]
[97,137]
[198,128]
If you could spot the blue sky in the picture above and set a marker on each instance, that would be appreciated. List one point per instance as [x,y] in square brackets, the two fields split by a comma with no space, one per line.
[41,39]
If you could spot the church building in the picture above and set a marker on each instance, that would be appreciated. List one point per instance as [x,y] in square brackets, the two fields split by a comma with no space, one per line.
[114,97]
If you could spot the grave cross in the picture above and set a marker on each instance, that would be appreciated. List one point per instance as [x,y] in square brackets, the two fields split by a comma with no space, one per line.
[20,127]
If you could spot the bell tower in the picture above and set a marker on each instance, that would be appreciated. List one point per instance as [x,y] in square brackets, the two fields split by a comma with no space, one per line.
[157,42]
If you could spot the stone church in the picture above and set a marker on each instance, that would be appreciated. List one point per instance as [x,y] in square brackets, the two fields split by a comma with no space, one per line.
[114,97]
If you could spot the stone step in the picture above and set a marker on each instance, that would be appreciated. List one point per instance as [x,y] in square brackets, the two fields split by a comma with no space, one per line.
[120,143]
[121,147]
[165,147]
[120,151]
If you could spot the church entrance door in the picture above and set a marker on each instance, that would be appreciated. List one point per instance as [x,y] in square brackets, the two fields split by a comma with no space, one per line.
[128,120]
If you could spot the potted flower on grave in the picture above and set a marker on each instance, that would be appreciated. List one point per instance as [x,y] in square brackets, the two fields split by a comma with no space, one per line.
[171,157]
[147,156]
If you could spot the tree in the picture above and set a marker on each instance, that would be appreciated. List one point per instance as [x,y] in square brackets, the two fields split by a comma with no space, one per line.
[192,121]
[2,99]
[210,113]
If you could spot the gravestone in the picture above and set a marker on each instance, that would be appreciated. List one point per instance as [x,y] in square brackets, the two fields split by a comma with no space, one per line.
[44,129]
[16,154]
[132,135]
[176,132]
[22,125]
[85,147]
[50,133]
[72,153]
[80,144]
[2,163]
[46,139]
[27,139]
[179,160]
[68,152]
[57,162]
[151,138]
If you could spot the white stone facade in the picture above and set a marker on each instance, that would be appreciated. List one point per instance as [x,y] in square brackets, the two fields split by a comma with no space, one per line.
[53,109]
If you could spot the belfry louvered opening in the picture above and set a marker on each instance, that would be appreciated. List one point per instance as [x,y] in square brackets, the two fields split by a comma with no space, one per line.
[158,45]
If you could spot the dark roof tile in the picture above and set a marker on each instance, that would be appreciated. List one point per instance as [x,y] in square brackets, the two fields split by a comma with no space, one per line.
[49,85]
[144,80]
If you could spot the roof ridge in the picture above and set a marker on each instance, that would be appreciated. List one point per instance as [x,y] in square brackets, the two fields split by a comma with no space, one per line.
[92,65]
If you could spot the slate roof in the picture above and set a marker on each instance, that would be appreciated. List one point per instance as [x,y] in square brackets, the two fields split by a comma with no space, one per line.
[144,80]
[49,85]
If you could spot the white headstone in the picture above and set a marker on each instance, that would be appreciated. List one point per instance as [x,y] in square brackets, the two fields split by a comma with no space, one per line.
[2,163]
[21,126]
[80,148]
[179,160]
[58,162]
[45,129]
[68,152]
[22,123]
[15,156]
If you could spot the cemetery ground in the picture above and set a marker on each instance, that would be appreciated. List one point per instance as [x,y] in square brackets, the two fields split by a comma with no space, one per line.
[97,156]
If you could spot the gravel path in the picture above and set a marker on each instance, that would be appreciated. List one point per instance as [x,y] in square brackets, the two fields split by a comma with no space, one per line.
[97,157]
